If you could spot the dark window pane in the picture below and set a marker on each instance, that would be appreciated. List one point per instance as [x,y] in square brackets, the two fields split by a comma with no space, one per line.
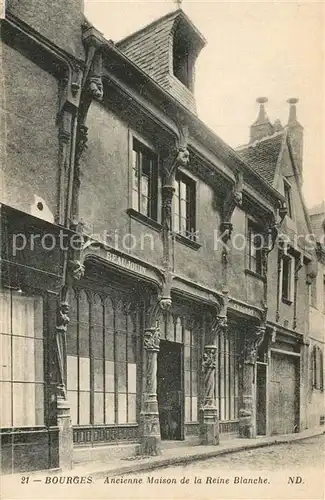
[121,377]
[72,339]
[83,339]
[121,347]
[132,349]
[109,346]
[83,307]
[98,375]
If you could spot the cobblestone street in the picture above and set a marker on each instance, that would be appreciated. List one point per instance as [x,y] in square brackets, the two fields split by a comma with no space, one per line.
[296,455]
[288,471]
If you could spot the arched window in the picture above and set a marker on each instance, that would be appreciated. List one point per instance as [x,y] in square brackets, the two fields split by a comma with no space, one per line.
[317,368]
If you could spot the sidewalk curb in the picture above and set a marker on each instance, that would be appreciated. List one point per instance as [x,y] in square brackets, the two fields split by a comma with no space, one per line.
[179,460]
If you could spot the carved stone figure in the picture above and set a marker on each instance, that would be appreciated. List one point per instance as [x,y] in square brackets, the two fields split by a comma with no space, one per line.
[76,269]
[60,338]
[151,339]
[208,368]
[183,157]
[252,344]
[96,87]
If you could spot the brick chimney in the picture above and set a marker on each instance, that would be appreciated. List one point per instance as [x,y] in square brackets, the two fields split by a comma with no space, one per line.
[295,133]
[262,127]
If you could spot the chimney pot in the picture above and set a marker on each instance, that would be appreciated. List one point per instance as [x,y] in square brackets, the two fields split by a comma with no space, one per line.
[262,100]
[262,126]
[295,131]
[293,100]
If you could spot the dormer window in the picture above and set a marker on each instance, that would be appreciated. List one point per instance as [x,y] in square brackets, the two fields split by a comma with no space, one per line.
[182,61]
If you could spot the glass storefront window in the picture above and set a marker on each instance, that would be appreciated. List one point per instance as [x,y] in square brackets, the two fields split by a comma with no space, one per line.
[22,360]
[102,370]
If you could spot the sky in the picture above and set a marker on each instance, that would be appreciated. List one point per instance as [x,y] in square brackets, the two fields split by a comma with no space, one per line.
[272,49]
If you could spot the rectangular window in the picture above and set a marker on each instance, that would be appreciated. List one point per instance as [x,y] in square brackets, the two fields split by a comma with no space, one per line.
[144,180]
[21,364]
[313,293]
[317,368]
[227,375]
[255,242]
[287,278]
[288,197]
[191,372]
[102,373]
[184,206]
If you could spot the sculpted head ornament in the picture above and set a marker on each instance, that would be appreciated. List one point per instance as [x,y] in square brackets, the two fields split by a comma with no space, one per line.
[183,157]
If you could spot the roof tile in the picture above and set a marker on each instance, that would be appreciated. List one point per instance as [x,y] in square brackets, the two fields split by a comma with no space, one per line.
[263,155]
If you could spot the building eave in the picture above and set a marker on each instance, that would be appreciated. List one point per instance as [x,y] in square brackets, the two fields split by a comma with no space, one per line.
[198,128]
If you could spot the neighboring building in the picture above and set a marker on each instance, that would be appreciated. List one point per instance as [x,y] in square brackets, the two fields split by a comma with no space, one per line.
[168,227]
[315,408]
[275,152]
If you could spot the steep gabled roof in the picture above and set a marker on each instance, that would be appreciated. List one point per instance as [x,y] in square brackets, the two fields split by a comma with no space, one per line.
[263,155]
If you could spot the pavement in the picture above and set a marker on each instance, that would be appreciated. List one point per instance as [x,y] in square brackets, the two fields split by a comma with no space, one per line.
[178,456]
[185,454]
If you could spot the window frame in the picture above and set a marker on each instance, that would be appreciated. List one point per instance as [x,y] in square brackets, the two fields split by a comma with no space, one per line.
[257,270]
[289,297]
[142,150]
[99,318]
[287,190]
[317,368]
[313,293]
[39,295]
[182,62]
[189,218]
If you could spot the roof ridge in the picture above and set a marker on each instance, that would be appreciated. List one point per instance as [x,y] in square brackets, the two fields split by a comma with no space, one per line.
[263,139]
[171,14]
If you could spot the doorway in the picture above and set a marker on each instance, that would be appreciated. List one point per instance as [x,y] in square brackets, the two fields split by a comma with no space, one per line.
[261,398]
[170,390]
[284,398]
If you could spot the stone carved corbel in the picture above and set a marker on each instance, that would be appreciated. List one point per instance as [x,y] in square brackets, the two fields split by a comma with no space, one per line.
[252,343]
[270,337]
[233,199]
[91,88]
[95,86]
[170,166]
[76,269]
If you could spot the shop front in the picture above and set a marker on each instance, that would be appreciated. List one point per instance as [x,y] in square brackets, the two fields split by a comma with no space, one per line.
[31,280]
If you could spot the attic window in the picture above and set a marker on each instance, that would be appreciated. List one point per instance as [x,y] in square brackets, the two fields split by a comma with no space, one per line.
[288,197]
[182,61]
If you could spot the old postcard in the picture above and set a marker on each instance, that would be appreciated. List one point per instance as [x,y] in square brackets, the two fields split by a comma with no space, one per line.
[162,298]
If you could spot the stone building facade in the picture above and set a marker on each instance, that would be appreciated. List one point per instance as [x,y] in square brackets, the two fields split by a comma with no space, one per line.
[315,408]
[153,283]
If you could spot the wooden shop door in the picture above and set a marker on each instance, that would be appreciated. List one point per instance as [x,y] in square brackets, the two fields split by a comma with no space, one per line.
[284,397]
[170,390]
